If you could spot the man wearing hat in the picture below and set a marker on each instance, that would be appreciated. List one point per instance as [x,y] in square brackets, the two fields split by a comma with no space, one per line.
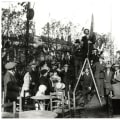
[117,73]
[108,79]
[99,74]
[87,44]
[116,80]
[34,76]
[66,78]
[78,59]
[11,88]
[95,55]
[87,85]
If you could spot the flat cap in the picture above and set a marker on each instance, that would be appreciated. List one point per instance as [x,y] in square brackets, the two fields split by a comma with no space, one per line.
[10,65]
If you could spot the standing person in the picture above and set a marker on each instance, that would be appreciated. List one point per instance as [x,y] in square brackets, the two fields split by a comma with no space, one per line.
[108,85]
[11,87]
[66,78]
[100,75]
[116,80]
[27,81]
[117,73]
[78,60]
[63,58]
[35,78]
[87,85]
[100,46]
[87,44]
[108,80]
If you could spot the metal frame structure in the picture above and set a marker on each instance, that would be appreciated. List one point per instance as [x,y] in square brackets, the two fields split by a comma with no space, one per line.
[74,103]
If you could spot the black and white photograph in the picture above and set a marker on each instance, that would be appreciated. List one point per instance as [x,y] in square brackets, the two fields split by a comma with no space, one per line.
[60,59]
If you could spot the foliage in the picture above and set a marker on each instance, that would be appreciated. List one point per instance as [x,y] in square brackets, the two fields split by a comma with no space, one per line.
[56,29]
[14,20]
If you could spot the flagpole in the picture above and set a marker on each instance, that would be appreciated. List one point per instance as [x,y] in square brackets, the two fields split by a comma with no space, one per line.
[113,60]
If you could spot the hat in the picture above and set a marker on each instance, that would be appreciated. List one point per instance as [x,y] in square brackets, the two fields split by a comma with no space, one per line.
[116,65]
[33,64]
[60,85]
[95,49]
[43,71]
[10,65]
[45,68]
[66,65]
[108,66]
[77,41]
[53,62]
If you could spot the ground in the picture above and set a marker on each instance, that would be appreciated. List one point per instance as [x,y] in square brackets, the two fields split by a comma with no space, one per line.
[92,110]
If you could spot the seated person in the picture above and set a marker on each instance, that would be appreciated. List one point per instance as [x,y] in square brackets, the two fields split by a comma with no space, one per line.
[55,78]
[59,86]
[45,85]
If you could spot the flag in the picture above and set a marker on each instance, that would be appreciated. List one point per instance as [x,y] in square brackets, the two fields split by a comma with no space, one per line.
[92,34]
[92,26]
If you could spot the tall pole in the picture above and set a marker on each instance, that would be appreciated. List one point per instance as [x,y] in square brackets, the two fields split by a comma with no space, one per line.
[48,28]
[27,33]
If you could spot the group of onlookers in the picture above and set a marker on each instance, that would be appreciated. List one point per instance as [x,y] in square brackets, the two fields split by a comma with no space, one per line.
[61,73]
[38,79]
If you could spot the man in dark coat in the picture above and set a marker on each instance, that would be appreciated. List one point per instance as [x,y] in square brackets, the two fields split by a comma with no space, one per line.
[108,79]
[66,78]
[87,85]
[78,59]
[87,42]
[35,78]
[99,74]
[11,87]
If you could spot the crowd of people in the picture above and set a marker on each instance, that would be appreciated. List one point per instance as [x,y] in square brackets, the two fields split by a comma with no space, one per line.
[43,77]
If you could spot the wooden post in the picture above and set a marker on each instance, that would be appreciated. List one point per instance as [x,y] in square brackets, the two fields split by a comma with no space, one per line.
[74,101]
[27,33]
[3,100]
[14,107]
[48,28]
[20,104]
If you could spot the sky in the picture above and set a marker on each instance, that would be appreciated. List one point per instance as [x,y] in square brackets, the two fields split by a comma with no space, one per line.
[106,14]
[78,11]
